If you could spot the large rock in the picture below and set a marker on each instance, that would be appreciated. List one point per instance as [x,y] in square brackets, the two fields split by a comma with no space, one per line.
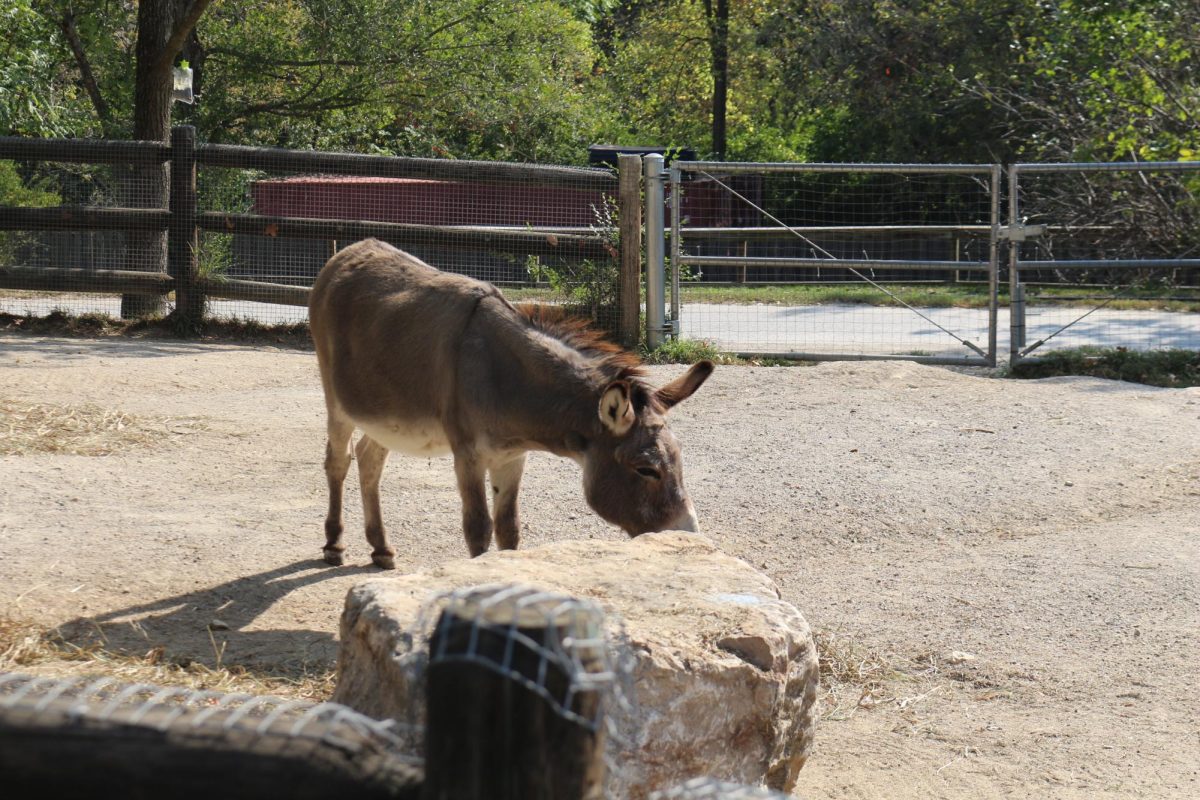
[725,672]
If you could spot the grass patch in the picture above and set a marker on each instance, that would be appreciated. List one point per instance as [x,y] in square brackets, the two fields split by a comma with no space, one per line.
[689,351]
[1173,369]
[686,351]
[29,648]
[930,296]
[956,295]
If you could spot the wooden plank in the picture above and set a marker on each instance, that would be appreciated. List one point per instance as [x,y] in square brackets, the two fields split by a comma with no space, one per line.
[498,240]
[629,200]
[272,159]
[183,245]
[83,151]
[84,280]
[83,218]
[254,291]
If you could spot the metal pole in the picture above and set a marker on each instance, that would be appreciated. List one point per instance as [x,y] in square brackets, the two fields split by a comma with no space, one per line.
[676,246]
[1016,292]
[655,250]
[994,265]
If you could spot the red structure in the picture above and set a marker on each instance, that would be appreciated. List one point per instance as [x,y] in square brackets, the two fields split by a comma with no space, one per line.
[427,202]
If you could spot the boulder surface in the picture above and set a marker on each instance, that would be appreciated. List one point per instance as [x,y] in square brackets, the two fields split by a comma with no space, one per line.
[724,672]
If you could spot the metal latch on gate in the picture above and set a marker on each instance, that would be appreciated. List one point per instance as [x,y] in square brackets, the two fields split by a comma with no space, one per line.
[1019,233]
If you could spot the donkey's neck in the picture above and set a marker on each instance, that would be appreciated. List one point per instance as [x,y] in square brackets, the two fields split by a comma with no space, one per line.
[546,388]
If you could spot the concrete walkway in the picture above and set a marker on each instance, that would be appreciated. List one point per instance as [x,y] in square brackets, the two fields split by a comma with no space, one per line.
[839,329]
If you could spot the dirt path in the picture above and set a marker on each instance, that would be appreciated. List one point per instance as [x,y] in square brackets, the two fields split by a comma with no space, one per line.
[1050,529]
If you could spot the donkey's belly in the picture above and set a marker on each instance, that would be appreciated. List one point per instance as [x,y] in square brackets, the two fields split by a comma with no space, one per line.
[413,437]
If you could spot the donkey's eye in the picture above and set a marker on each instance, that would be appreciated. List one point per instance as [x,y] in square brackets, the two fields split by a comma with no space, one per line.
[649,472]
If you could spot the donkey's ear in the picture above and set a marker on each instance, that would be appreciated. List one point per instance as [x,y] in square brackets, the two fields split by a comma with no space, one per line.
[685,385]
[616,408]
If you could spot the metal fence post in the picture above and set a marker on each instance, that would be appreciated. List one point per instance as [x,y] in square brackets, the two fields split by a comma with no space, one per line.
[182,237]
[629,201]
[993,265]
[676,246]
[655,251]
[1016,292]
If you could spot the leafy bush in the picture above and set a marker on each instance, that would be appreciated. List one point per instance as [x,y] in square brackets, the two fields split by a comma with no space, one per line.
[14,191]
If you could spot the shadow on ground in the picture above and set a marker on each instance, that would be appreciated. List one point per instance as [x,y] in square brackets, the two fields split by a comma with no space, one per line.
[214,625]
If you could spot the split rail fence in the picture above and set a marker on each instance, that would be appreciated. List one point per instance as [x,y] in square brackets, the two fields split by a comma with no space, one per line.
[810,261]
[277,215]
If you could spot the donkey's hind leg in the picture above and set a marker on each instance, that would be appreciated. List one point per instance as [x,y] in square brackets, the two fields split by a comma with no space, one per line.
[372,456]
[337,462]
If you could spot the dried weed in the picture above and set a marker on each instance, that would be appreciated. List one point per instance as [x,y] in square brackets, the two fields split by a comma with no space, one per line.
[82,430]
[29,648]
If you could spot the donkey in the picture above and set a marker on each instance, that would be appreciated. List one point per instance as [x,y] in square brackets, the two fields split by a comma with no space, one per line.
[426,362]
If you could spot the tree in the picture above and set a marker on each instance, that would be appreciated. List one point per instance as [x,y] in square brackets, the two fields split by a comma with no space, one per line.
[162,28]
[716,12]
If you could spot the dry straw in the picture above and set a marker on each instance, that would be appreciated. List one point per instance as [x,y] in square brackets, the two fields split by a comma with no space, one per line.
[81,430]
[30,648]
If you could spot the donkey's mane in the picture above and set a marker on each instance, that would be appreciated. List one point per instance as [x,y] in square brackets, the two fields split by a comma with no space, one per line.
[576,334]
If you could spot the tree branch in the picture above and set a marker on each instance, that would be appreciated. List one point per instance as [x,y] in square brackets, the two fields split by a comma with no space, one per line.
[67,24]
[180,34]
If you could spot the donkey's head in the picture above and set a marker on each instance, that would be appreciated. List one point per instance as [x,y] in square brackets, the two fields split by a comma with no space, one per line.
[632,468]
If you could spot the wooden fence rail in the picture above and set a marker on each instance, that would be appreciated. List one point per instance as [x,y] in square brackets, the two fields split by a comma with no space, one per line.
[183,220]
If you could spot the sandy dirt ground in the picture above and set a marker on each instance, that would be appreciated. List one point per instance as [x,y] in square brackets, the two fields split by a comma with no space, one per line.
[1049,529]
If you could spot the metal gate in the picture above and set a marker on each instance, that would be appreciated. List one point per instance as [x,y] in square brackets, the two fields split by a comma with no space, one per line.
[1104,255]
[852,252]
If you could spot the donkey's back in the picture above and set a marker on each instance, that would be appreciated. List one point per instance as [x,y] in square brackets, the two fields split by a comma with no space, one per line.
[386,327]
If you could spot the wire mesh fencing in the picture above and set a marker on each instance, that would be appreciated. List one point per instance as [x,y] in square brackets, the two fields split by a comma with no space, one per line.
[97,737]
[837,261]
[575,671]
[83,228]
[1106,256]
[253,226]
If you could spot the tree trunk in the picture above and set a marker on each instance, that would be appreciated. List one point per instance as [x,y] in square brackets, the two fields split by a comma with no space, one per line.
[717,13]
[163,26]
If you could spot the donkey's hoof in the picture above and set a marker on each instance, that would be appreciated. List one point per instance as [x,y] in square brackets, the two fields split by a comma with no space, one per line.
[384,560]
[334,558]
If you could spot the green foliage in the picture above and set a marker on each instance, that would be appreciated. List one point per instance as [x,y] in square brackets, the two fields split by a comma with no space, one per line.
[32,102]
[1168,368]
[15,191]
[686,351]
[591,288]
[816,80]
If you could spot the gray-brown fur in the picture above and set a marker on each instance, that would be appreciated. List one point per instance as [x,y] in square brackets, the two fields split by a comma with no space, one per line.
[429,361]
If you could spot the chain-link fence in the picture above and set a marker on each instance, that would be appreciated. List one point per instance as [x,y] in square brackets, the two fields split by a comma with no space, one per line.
[837,260]
[136,228]
[1104,255]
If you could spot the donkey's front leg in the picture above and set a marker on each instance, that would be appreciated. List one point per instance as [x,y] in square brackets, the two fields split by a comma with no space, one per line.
[337,462]
[506,483]
[477,523]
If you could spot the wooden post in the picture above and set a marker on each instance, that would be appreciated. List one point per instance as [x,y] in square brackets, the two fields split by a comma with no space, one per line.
[629,200]
[488,735]
[71,747]
[183,243]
